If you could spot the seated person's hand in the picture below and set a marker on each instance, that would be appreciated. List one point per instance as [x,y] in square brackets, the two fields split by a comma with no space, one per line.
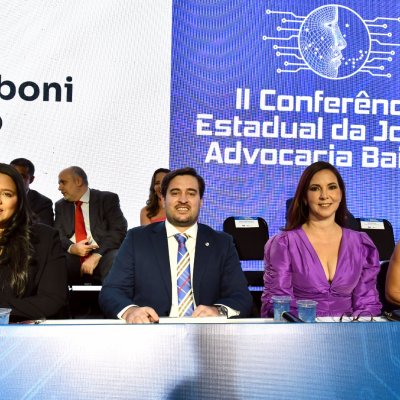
[140,315]
[89,265]
[82,248]
[205,311]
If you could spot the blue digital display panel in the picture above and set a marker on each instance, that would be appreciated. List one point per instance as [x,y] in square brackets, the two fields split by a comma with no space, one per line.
[261,89]
[354,360]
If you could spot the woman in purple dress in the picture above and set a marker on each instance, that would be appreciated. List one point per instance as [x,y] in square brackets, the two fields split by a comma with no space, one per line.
[316,257]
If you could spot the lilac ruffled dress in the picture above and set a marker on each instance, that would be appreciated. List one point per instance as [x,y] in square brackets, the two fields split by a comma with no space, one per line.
[292,267]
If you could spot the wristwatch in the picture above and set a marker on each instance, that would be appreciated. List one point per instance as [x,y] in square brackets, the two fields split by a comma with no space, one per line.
[222,310]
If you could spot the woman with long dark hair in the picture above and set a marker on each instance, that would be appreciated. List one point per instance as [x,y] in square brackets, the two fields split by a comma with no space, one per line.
[316,257]
[33,280]
[154,211]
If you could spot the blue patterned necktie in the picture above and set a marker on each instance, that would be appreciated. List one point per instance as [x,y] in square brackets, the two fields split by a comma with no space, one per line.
[185,293]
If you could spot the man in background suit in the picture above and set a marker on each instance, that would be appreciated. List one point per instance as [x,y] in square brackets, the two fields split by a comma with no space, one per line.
[104,224]
[143,283]
[41,205]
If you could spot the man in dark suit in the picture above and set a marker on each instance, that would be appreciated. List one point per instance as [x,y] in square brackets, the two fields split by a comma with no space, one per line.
[41,205]
[104,226]
[144,282]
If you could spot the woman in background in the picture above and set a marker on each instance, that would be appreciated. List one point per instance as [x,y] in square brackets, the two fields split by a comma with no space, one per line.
[316,257]
[154,211]
[33,277]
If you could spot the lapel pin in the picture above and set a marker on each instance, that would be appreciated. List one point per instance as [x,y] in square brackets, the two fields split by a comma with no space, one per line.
[207,244]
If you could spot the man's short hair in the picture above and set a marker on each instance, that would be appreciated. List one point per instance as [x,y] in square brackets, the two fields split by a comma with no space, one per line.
[23,162]
[179,172]
[78,171]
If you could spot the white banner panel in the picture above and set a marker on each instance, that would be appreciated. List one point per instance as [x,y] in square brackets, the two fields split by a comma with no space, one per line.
[87,83]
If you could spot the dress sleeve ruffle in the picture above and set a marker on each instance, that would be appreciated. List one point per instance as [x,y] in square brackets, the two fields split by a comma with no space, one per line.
[365,294]
[277,272]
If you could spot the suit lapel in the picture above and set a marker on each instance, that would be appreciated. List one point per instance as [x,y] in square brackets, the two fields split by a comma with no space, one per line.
[69,218]
[202,259]
[160,246]
[93,207]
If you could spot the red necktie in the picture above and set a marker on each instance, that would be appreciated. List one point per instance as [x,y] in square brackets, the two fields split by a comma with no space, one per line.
[80,230]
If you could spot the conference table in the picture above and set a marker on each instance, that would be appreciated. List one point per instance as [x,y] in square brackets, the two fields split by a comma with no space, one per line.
[203,358]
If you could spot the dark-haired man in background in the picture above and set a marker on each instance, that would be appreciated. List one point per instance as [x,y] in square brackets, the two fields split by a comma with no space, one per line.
[178,267]
[91,226]
[41,205]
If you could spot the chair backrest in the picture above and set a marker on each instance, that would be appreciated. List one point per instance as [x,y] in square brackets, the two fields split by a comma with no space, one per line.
[83,302]
[381,284]
[381,233]
[249,234]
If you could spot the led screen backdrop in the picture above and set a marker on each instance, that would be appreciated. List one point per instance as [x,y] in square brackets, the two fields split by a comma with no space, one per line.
[261,89]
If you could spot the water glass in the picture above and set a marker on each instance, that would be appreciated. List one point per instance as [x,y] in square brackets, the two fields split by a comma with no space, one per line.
[307,310]
[281,304]
[4,315]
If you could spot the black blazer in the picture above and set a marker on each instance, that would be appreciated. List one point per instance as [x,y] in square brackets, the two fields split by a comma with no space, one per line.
[107,222]
[42,207]
[141,273]
[46,292]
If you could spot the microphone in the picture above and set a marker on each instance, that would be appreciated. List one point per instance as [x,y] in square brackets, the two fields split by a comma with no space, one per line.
[290,317]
